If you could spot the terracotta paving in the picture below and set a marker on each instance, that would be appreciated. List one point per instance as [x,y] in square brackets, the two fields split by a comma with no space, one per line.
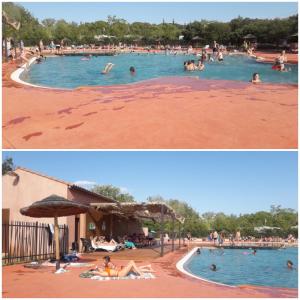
[165,113]
[169,282]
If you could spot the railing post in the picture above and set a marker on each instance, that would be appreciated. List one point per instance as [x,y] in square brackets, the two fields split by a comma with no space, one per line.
[173,232]
[36,239]
[162,231]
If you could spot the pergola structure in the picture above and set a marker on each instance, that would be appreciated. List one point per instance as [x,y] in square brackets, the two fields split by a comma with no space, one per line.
[156,211]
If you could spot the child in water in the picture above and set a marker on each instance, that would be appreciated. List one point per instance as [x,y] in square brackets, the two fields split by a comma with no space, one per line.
[255,78]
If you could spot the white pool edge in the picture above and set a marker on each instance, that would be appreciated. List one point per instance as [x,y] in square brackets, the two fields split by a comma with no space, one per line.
[15,76]
[184,259]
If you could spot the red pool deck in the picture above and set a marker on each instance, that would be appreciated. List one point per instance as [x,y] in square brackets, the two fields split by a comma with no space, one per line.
[165,113]
[169,283]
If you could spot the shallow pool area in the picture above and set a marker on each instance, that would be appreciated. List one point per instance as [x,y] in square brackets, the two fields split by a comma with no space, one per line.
[240,267]
[71,71]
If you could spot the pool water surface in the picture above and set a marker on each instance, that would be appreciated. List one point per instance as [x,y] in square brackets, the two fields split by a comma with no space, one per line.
[241,267]
[71,72]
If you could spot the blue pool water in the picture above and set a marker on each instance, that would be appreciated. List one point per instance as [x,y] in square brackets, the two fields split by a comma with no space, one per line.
[234,267]
[71,71]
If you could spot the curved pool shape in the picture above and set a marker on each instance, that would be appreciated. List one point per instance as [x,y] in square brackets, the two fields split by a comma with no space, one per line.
[239,267]
[71,71]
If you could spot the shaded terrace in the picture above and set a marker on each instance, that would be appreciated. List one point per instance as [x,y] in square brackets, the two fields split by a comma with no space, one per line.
[155,211]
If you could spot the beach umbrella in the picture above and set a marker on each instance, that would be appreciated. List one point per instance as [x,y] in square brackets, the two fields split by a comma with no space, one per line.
[54,206]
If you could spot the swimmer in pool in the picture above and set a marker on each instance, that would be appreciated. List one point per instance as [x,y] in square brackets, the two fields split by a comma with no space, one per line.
[86,57]
[255,78]
[213,267]
[254,252]
[107,68]
[290,264]
[201,65]
[198,251]
[132,71]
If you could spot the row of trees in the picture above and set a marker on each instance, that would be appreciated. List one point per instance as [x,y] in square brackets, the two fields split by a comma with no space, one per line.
[31,31]
[200,225]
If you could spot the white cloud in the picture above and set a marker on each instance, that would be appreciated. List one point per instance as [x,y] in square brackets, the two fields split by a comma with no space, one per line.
[85,183]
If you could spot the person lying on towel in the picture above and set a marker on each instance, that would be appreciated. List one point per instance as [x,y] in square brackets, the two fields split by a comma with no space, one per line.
[110,270]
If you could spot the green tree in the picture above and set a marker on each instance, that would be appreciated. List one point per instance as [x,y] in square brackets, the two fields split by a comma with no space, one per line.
[113,192]
[7,165]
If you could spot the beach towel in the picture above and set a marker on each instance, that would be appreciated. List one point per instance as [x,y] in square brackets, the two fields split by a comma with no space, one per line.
[90,275]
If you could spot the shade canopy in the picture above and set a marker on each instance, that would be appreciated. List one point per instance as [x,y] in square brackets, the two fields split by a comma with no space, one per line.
[53,206]
[149,210]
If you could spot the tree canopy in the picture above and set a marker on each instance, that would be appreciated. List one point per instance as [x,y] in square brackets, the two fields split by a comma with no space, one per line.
[113,192]
[119,30]
[7,165]
[201,225]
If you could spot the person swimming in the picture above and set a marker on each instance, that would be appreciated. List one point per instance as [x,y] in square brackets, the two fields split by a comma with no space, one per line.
[255,78]
[290,264]
[86,57]
[254,252]
[132,70]
[213,267]
[198,251]
[107,68]
[201,65]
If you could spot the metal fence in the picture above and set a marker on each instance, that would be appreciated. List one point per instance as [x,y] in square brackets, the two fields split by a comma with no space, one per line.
[24,241]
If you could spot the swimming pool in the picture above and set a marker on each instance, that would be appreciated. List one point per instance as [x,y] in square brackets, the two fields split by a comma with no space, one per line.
[240,267]
[72,72]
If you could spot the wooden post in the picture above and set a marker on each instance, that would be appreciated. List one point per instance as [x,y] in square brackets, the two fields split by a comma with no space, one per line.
[5,42]
[173,232]
[56,234]
[111,226]
[162,231]
[179,234]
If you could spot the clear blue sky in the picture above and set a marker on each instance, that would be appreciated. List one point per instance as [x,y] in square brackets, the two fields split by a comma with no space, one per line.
[232,182]
[155,12]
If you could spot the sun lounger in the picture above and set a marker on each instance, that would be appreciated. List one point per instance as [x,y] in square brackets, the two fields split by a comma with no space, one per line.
[105,247]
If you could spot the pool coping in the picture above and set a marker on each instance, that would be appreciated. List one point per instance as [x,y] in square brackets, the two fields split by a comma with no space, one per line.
[185,259]
[15,76]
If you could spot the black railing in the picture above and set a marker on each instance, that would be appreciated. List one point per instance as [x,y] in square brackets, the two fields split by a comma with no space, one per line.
[24,241]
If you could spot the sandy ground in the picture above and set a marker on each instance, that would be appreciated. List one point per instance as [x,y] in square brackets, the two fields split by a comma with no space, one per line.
[169,282]
[175,112]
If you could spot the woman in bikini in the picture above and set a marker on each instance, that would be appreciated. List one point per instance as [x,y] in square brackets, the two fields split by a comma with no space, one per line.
[110,270]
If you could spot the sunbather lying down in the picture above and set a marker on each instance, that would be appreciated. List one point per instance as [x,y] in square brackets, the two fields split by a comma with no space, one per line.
[110,270]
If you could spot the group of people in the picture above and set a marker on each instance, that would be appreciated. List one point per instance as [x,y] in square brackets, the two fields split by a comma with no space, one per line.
[130,242]
[191,65]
